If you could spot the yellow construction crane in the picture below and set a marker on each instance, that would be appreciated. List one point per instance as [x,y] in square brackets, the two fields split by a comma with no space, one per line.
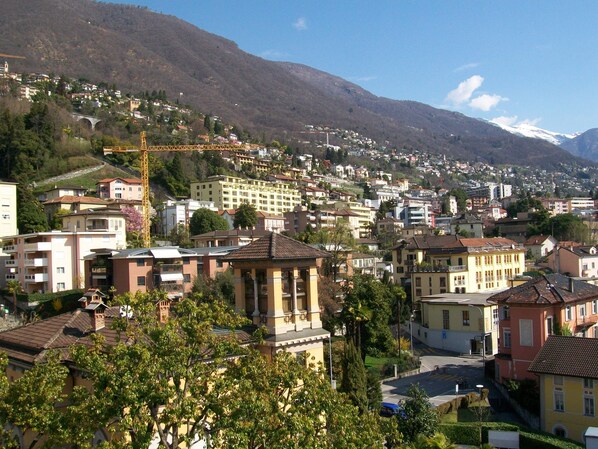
[143,151]
[2,55]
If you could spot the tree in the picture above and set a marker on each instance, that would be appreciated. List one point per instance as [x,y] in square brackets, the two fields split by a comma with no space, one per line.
[30,214]
[338,241]
[419,417]
[354,380]
[461,198]
[205,220]
[245,217]
[133,219]
[366,314]
[13,286]
[179,236]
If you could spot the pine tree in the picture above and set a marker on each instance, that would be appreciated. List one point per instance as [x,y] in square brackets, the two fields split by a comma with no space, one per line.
[354,381]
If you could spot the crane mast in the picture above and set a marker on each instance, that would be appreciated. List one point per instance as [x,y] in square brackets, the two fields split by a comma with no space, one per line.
[143,151]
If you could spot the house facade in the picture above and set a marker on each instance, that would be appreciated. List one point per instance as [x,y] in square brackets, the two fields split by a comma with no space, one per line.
[102,220]
[529,313]
[430,265]
[568,376]
[576,261]
[120,188]
[463,323]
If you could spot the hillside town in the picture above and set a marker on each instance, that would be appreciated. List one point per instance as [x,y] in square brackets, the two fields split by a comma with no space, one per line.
[495,265]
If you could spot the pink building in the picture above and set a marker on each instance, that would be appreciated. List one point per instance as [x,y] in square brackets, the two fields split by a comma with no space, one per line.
[530,312]
[52,261]
[171,269]
[120,188]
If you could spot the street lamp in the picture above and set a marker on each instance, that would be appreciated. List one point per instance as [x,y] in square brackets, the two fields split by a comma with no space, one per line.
[411,331]
[483,331]
[332,381]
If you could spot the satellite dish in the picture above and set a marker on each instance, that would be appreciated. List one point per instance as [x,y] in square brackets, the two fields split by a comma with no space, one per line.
[126,312]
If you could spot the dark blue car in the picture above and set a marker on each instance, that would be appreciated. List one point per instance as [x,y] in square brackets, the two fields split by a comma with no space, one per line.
[389,409]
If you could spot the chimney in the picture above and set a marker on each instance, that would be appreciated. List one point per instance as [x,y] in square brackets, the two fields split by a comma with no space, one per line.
[98,319]
[163,310]
[571,287]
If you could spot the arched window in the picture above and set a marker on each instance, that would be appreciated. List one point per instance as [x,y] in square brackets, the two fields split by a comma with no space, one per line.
[560,431]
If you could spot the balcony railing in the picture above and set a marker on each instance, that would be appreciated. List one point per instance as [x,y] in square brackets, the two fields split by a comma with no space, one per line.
[169,268]
[9,248]
[37,277]
[11,263]
[38,246]
[36,262]
[438,268]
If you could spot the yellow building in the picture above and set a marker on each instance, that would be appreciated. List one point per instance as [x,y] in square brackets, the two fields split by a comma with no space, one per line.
[463,323]
[568,385]
[276,285]
[431,265]
[229,192]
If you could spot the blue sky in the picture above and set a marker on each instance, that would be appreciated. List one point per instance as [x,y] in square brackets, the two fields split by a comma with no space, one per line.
[519,60]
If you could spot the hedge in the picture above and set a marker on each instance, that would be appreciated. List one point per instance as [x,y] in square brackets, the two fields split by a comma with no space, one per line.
[50,304]
[468,433]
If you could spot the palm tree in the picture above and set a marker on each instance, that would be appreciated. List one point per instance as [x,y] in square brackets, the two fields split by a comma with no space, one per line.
[14,287]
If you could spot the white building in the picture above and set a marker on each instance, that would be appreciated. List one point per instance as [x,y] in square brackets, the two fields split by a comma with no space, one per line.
[177,213]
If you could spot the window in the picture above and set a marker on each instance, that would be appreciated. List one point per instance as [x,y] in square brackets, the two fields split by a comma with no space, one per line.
[526,337]
[140,262]
[582,310]
[445,319]
[549,326]
[418,282]
[418,292]
[140,281]
[595,307]
[59,270]
[443,282]
[507,338]
[588,405]
[568,313]
[186,278]
[465,318]
[559,402]
[60,286]
[588,383]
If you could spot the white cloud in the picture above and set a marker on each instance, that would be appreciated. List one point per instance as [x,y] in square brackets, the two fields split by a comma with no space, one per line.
[300,24]
[486,102]
[514,121]
[505,121]
[471,65]
[274,55]
[464,90]
[362,79]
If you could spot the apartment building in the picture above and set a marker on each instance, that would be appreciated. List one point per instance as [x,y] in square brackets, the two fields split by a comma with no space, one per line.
[529,313]
[52,261]
[102,220]
[229,192]
[429,265]
[120,188]
[568,386]
[556,206]
[171,269]
[576,261]
[8,208]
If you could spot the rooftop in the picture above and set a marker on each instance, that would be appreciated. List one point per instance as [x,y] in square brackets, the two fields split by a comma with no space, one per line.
[567,356]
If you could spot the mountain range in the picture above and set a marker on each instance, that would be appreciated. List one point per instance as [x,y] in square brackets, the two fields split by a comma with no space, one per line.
[140,50]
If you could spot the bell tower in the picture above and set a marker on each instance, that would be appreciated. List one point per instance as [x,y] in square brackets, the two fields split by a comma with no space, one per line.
[276,285]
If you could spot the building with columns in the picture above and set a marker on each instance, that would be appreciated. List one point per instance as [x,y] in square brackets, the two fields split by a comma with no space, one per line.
[276,285]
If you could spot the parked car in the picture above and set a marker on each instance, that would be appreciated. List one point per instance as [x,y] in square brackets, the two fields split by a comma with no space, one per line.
[389,409]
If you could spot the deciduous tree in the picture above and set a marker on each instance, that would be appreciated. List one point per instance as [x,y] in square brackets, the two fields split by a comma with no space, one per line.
[205,220]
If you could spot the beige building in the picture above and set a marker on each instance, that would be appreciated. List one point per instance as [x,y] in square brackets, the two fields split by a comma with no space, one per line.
[105,220]
[463,323]
[8,208]
[229,192]
[432,265]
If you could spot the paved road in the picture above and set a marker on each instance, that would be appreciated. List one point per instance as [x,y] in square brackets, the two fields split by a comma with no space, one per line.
[440,371]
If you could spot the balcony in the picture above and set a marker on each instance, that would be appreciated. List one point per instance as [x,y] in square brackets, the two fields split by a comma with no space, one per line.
[36,262]
[37,277]
[38,246]
[9,248]
[11,277]
[438,268]
[170,267]
[11,263]
[99,270]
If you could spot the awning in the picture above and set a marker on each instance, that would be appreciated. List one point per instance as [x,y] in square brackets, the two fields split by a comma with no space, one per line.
[171,277]
[165,253]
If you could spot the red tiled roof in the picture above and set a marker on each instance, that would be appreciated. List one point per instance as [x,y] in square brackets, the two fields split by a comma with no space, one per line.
[127,180]
[275,247]
[547,289]
[567,356]
[536,240]
[69,199]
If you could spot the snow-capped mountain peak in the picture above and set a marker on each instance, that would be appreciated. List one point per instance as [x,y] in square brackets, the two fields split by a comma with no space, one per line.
[533,132]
